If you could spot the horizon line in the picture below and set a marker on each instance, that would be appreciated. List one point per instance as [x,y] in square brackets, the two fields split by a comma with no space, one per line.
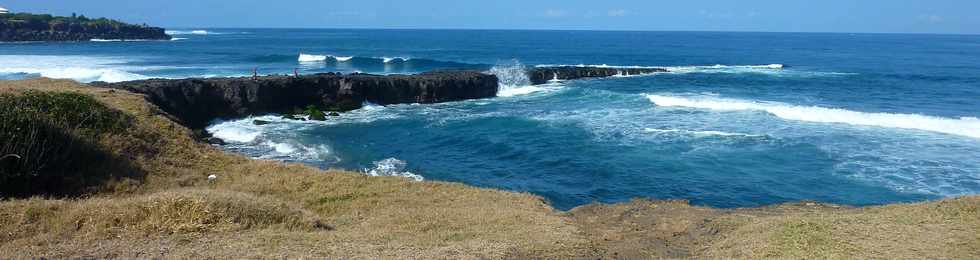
[569,30]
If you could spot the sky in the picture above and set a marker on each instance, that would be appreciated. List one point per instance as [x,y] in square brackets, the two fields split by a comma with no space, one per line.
[879,16]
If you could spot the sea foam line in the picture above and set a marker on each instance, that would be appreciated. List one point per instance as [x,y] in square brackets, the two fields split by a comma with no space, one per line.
[718,66]
[966,126]
[703,133]
[192,32]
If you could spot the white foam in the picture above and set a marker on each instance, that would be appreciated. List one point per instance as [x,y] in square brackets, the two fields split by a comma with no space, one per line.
[700,133]
[241,131]
[319,58]
[311,57]
[79,68]
[514,80]
[969,127]
[122,40]
[511,91]
[392,59]
[762,69]
[298,151]
[770,69]
[193,32]
[177,39]
[392,167]
[282,148]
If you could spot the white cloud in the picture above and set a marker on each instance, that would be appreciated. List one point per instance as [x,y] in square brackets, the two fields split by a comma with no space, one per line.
[555,13]
[931,18]
[716,15]
[617,13]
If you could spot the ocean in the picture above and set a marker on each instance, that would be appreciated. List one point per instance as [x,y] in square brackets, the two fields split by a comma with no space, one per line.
[742,119]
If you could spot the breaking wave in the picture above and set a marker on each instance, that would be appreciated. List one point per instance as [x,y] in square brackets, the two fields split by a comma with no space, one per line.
[514,80]
[394,59]
[266,141]
[319,58]
[311,58]
[967,126]
[392,167]
[79,68]
[379,61]
[191,32]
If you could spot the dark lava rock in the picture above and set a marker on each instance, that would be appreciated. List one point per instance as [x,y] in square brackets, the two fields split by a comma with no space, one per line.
[214,141]
[542,75]
[334,114]
[198,101]
[293,117]
[260,122]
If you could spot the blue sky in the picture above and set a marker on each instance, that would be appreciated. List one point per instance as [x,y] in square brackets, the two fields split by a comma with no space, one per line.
[890,16]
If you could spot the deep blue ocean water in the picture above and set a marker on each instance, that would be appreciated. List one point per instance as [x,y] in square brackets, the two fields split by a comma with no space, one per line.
[855,119]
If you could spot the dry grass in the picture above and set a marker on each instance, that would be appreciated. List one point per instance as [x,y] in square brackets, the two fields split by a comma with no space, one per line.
[265,209]
[359,215]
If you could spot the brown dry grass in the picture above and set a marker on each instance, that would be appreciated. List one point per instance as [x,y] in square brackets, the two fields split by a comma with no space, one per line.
[265,209]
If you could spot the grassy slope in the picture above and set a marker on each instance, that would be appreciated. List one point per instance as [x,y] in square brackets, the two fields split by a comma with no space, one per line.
[272,209]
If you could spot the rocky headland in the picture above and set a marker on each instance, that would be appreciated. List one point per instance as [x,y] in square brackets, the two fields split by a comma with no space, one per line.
[198,101]
[26,27]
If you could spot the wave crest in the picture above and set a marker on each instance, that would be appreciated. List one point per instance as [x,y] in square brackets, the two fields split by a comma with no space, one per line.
[969,127]
[192,32]
[392,167]
[79,68]
[514,80]
[318,58]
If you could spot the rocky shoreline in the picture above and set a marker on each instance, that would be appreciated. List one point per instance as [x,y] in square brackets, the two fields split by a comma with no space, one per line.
[542,75]
[198,101]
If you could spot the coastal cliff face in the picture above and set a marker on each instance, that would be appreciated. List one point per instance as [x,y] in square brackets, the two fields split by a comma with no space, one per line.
[196,102]
[542,75]
[31,27]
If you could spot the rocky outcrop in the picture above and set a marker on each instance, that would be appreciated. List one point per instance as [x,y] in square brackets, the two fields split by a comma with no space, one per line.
[22,27]
[196,101]
[542,75]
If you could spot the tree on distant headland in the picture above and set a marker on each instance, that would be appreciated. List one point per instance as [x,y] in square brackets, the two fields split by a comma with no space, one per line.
[78,27]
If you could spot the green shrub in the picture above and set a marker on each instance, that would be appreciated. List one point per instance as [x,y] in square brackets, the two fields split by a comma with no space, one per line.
[52,140]
[315,113]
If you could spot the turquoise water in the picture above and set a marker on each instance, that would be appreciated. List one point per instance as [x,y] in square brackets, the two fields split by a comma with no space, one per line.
[855,119]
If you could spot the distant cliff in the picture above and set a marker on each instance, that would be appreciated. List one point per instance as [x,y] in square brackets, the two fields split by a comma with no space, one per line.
[21,27]
[196,102]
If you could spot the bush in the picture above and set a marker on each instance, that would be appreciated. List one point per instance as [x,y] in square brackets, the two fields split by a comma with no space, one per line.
[51,144]
[315,113]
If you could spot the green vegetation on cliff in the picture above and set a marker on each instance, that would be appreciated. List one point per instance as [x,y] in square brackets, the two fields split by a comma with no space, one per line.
[49,141]
[17,27]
